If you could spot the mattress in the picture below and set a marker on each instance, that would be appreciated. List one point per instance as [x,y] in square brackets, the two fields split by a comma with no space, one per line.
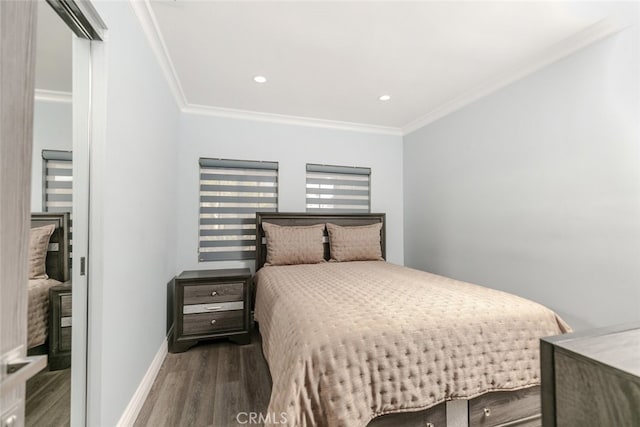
[347,342]
[38,311]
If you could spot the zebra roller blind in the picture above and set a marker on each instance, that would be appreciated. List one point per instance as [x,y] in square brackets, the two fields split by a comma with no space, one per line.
[231,192]
[57,186]
[57,191]
[338,189]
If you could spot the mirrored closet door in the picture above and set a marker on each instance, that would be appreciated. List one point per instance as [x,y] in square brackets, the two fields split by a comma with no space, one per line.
[58,289]
[50,316]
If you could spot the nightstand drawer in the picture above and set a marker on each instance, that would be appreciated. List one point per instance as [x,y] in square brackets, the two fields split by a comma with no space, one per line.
[65,305]
[219,292]
[60,326]
[65,339]
[212,322]
[212,307]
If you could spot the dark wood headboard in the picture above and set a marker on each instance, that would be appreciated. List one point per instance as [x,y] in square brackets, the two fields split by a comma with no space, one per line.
[288,219]
[58,267]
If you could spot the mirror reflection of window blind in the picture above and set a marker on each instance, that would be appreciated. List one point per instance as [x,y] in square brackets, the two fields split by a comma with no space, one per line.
[57,189]
[231,192]
[58,181]
[338,189]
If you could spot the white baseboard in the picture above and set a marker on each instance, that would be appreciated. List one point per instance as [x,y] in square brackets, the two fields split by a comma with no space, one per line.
[130,414]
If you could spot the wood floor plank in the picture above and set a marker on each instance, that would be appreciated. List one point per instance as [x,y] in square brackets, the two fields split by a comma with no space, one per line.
[228,395]
[167,410]
[257,380]
[199,410]
[152,397]
[173,363]
[208,385]
[40,383]
[49,399]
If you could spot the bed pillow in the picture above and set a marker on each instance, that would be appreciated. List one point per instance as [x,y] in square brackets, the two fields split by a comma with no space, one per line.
[358,243]
[294,244]
[38,245]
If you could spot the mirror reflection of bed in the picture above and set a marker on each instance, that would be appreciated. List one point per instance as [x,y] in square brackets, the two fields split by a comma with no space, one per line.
[49,288]
[49,317]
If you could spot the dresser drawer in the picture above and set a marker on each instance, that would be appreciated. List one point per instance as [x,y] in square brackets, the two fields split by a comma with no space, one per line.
[212,307]
[498,408]
[212,322]
[219,292]
[65,305]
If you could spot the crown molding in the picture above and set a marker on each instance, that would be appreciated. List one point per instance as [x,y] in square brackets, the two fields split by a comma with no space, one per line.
[149,23]
[582,39]
[288,120]
[570,45]
[52,96]
[151,29]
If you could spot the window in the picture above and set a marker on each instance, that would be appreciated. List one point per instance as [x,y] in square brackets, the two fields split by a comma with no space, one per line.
[338,189]
[231,192]
[57,179]
[57,186]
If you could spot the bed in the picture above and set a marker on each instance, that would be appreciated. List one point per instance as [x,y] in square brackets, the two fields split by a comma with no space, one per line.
[55,271]
[362,343]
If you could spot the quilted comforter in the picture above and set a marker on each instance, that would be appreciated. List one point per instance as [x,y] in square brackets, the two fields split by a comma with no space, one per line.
[346,342]
[38,311]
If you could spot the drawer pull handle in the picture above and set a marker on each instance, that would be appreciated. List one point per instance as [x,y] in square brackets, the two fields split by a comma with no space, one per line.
[487,412]
[214,293]
[213,322]
[430,425]
[213,307]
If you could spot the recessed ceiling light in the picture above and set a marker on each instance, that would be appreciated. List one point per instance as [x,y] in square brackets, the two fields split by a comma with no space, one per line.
[385,97]
[259,79]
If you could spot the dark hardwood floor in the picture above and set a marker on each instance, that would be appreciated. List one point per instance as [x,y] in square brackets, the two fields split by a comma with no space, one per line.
[49,399]
[208,385]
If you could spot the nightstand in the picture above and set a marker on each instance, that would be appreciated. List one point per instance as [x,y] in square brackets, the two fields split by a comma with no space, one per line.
[211,304]
[60,326]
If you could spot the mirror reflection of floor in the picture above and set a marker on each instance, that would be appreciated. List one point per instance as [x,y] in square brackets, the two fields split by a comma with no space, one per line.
[49,398]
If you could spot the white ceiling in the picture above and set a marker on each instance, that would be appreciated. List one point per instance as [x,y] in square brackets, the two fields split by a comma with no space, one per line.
[332,60]
[53,51]
[329,61]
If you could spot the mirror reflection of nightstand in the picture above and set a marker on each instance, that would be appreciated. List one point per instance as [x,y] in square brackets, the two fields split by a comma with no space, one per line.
[60,326]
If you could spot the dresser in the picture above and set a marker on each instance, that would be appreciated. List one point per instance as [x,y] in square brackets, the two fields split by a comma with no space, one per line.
[210,304]
[592,378]
[60,299]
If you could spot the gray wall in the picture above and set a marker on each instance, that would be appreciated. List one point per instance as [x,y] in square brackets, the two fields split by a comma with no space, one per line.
[51,131]
[133,217]
[535,189]
[292,147]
